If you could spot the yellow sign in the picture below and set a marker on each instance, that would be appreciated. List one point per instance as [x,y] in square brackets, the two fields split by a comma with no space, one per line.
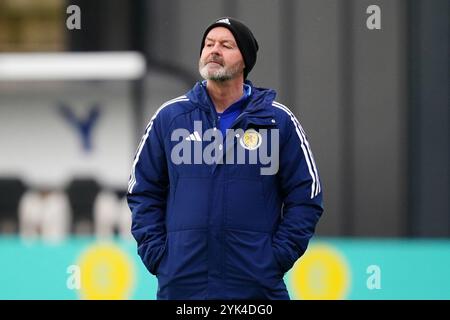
[321,274]
[106,273]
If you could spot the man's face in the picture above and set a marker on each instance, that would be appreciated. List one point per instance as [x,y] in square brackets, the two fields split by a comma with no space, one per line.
[221,58]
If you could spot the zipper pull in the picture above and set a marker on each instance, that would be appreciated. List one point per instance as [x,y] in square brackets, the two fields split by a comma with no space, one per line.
[216,121]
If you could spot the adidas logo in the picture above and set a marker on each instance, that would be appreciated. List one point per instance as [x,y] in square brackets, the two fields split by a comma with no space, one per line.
[226,20]
[194,137]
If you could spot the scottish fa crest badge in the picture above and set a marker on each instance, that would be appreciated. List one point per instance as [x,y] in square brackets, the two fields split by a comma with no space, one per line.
[251,139]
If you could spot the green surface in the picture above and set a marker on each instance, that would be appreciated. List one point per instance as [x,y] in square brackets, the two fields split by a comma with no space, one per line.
[410,269]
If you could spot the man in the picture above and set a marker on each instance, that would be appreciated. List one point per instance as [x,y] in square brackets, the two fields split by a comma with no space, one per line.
[224,191]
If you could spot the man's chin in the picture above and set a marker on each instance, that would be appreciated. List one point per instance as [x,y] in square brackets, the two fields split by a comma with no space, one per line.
[215,75]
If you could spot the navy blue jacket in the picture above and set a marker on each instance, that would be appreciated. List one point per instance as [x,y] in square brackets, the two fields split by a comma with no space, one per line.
[222,230]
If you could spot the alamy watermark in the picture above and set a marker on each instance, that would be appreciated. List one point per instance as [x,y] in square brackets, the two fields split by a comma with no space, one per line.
[374,280]
[190,148]
[373,21]
[73,21]
[73,281]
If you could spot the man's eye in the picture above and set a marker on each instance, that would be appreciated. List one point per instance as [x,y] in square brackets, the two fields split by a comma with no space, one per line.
[209,45]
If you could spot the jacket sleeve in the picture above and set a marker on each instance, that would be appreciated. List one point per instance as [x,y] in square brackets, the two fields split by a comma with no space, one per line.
[301,193]
[147,194]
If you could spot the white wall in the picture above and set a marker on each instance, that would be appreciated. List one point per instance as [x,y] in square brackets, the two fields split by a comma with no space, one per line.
[40,146]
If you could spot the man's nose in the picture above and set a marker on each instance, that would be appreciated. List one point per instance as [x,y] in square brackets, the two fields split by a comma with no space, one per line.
[216,49]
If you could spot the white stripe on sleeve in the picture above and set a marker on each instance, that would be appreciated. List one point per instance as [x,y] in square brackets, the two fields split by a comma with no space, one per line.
[315,187]
[132,181]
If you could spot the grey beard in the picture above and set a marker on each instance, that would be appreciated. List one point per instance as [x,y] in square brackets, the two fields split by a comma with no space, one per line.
[220,75]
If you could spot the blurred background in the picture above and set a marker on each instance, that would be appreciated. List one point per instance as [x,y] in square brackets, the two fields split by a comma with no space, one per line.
[367,79]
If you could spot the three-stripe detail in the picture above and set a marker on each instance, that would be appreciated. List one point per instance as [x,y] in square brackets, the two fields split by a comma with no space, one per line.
[132,181]
[315,187]
[195,136]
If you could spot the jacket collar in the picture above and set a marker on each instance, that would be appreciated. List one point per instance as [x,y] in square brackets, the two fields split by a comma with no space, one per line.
[259,104]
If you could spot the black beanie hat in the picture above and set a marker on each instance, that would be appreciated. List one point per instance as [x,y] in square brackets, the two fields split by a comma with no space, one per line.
[245,40]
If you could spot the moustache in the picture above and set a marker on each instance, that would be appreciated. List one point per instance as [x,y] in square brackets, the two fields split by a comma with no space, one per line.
[216,60]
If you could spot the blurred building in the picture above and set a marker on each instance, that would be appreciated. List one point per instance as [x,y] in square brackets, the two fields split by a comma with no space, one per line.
[27,25]
[374,102]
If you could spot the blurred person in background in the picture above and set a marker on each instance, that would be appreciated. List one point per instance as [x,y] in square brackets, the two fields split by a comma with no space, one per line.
[111,214]
[224,229]
[106,211]
[44,214]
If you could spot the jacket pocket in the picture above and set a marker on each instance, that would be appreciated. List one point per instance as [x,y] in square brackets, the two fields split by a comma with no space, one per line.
[163,255]
[250,259]
[184,262]
[275,259]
